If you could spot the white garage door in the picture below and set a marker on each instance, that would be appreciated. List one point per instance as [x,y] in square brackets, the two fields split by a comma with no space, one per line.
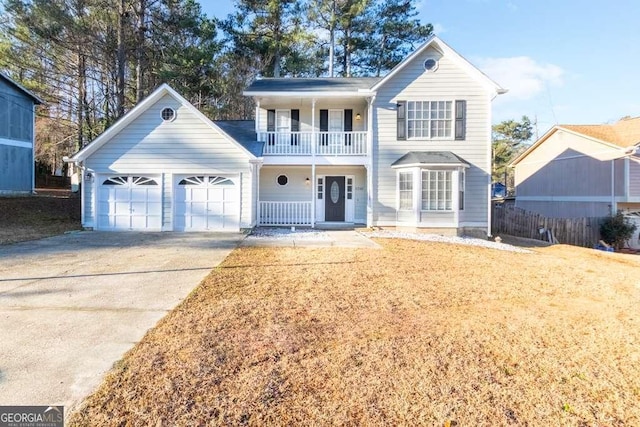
[207,203]
[129,203]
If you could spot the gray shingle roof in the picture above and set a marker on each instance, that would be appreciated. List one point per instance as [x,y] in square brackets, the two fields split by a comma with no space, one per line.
[243,131]
[430,158]
[319,84]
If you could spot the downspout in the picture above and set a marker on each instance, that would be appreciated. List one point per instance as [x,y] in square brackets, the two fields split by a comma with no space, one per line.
[369,166]
[489,168]
[626,179]
[613,187]
[313,162]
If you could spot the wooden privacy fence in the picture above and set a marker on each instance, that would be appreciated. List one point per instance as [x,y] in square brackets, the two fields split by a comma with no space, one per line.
[507,219]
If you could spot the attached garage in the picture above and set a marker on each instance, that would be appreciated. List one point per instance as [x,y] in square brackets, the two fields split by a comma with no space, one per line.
[207,203]
[129,203]
[164,166]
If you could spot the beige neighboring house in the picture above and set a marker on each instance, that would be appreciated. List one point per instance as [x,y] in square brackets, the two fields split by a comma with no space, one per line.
[581,171]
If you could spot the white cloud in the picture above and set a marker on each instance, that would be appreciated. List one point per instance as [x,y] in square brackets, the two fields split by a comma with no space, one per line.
[523,76]
[438,28]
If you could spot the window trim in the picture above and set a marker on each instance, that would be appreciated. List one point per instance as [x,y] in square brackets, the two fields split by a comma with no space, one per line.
[173,117]
[451,192]
[411,173]
[452,120]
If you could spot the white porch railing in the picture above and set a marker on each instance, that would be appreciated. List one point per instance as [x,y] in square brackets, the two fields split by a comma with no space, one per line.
[284,213]
[286,143]
[306,143]
[341,143]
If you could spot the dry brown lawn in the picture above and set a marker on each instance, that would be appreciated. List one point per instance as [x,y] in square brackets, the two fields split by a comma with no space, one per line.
[416,333]
[35,217]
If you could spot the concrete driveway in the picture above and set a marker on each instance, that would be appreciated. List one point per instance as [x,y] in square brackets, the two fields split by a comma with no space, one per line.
[72,305]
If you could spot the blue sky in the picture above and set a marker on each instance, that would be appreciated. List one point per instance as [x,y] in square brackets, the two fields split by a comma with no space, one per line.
[563,61]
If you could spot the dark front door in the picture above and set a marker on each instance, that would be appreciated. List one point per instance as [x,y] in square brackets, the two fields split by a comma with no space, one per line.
[334,200]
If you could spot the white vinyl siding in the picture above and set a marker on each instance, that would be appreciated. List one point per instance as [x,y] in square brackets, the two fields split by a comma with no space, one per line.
[429,119]
[186,145]
[449,82]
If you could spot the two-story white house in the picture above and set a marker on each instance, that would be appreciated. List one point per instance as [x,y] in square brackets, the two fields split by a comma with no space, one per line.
[411,149]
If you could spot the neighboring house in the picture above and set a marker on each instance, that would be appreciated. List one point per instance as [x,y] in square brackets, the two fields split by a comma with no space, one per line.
[581,171]
[17,137]
[411,149]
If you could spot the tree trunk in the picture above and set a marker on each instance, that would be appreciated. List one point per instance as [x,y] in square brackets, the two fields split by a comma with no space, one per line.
[140,50]
[121,60]
[81,96]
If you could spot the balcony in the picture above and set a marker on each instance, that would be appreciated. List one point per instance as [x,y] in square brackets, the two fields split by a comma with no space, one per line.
[314,143]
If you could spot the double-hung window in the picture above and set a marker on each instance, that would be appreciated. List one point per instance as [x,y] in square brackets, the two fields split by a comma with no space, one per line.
[429,119]
[432,120]
[405,191]
[437,190]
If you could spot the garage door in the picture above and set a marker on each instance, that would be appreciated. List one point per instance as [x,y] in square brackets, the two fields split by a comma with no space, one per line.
[129,203]
[207,203]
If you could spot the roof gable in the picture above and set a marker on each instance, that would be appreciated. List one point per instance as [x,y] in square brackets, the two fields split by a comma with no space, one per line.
[446,50]
[621,136]
[21,88]
[143,106]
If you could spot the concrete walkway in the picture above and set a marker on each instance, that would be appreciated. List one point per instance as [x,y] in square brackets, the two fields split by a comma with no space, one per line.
[308,238]
[72,305]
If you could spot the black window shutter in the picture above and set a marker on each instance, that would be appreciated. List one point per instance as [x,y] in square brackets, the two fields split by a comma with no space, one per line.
[348,120]
[295,120]
[461,120]
[271,126]
[402,122]
[324,120]
[295,126]
[348,126]
[271,120]
[324,126]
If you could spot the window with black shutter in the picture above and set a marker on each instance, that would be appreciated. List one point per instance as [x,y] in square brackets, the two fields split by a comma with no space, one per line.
[348,126]
[461,119]
[295,127]
[271,127]
[402,122]
[324,127]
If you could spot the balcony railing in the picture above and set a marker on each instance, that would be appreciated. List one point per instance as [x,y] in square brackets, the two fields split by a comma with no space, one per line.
[285,213]
[320,143]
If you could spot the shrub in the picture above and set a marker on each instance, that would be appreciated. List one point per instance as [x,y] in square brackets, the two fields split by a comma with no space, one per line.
[616,230]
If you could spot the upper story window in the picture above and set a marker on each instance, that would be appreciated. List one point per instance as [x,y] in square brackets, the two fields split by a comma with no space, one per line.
[168,114]
[431,64]
[432,120]
[429,119]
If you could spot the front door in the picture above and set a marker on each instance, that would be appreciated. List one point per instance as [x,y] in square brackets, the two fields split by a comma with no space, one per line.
[334,200]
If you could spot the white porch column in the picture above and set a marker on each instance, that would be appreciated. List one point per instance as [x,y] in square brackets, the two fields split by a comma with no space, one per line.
[257,121]
[313,195]
[369,165]
[313,127]
[313,163]
[255,169]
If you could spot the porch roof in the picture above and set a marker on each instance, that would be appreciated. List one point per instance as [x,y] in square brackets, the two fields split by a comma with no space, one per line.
[318,86]
[244,133]
[430,158]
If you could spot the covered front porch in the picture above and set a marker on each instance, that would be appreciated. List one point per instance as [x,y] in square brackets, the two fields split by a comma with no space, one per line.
[312,195]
